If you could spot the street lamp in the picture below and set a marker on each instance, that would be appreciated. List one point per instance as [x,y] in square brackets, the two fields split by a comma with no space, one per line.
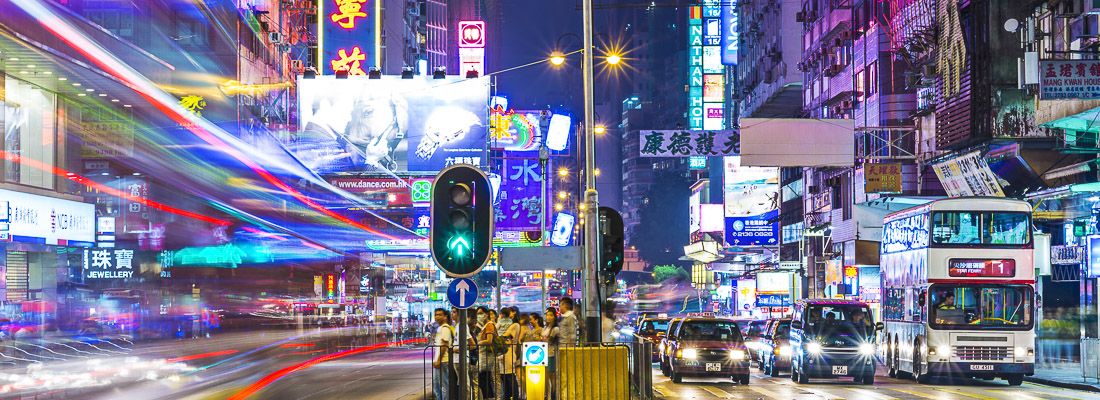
[562,195]
[557,58]
[563,172]
[599,129]
[613,59]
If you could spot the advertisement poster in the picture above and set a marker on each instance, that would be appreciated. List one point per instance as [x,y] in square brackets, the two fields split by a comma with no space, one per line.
[48,220]
[729,32]
[752,204]
[390,125]
[968,175]
[714,88]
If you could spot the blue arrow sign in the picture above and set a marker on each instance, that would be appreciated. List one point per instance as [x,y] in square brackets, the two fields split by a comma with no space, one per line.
[462,293]
[534,353]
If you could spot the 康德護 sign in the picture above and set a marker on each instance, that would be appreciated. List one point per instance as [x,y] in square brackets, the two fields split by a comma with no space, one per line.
[689,143]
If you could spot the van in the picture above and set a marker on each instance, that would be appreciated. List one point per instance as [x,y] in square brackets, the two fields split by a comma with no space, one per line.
[833,339]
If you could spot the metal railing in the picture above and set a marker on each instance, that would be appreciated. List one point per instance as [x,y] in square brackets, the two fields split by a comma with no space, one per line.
[605,370]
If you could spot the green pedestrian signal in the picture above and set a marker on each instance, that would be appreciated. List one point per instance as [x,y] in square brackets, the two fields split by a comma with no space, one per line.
[462,220]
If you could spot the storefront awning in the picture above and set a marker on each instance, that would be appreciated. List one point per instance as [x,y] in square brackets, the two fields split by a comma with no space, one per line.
[1088,121]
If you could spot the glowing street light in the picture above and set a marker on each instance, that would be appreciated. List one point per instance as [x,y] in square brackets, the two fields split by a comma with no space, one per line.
[557,59]
[596,172]
[563,172]
[563,195]
[614,59]
[559,207]
[599,129]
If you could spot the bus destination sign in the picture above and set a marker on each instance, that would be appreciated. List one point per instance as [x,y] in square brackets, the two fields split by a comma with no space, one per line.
[972,268]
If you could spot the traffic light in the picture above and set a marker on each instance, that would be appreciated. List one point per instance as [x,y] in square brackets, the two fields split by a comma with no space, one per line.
[462,220]
[612,243]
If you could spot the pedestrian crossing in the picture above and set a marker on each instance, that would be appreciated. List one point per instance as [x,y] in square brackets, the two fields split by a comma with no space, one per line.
[764,387]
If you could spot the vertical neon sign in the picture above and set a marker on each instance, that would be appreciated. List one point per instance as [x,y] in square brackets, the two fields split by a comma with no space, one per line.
[347,36]
[695,68]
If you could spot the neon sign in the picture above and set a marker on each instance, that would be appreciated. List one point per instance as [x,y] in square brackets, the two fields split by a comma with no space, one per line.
[347,12]
[349,62]
[348,36]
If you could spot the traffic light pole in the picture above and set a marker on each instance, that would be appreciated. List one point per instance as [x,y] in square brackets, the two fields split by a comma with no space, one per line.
[591,197]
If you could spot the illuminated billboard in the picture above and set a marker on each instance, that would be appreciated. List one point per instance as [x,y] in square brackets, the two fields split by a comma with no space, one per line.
[515,130]
[348,35]
[390,124]
[729,18]
[752,204]
[695,67]
[706,72]
[471,47]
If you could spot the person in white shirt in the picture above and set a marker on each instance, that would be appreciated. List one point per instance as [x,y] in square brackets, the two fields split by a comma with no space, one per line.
[568,327]
[444,338]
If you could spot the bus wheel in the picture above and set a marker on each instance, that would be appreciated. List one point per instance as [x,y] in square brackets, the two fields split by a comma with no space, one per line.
[917,375]
[1015,380]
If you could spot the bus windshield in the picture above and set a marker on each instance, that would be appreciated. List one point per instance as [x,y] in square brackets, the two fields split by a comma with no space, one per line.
[980,306]
[981,228]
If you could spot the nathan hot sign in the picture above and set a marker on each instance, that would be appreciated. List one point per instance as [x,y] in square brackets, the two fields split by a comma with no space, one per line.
[970,268]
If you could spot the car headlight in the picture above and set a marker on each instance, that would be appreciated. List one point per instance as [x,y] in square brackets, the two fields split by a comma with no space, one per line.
[737,354]
[785,351]
[813,347]
[690,354]
[867,349]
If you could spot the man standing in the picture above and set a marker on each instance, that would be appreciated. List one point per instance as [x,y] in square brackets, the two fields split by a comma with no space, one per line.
[568,325]
[444,338]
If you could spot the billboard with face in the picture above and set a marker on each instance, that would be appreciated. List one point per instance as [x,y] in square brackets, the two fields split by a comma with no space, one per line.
[390,124]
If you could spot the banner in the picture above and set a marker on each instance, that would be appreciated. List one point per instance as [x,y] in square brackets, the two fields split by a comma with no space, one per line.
[968,175]
[752,204]
[1069,79]
[391,124]
[47,220]
[681,143]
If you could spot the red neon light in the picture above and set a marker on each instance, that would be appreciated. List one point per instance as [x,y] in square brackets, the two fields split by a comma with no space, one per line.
[201,356]
[83,180]
[53,24]
[271,378]
[347,12]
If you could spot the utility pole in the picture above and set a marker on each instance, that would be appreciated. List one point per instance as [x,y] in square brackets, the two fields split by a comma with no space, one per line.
[591,197]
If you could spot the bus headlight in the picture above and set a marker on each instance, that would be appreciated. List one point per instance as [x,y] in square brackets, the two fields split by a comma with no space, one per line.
[942,350]
[785,351]
[867,349]
[737,354]
[1024,352]
[690,354]
[813,348]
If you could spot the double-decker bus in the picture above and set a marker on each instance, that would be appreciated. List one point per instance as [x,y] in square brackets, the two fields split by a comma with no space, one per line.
[958,290]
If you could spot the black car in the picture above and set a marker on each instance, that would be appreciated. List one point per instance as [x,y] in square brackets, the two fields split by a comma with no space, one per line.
[775,347]
[833,338]
[707,346]
[753,336]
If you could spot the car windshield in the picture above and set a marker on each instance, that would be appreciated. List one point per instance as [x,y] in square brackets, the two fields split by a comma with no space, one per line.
[980,306]
[985,228]
[756,328]
[855,315]
[783,330]
[725,331]
[655,325]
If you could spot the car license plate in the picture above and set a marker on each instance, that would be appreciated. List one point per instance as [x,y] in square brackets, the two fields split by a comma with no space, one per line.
[981,367]
[840,370]
[714,367]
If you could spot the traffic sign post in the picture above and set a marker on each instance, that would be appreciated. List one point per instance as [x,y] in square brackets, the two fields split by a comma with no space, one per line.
[462,293]
[535,359]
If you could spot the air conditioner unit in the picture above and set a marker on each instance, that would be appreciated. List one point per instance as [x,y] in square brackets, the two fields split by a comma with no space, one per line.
[274,37]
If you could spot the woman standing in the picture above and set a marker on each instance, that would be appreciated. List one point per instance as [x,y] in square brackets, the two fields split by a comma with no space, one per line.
[486,357]
[512,337]
[551,335]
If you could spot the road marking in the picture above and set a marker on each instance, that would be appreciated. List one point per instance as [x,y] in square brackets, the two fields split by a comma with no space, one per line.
[960,392]
[807,388]
[663,392]
[1058,392]
[870,393]
[766,392]
[718,392]
[914,393]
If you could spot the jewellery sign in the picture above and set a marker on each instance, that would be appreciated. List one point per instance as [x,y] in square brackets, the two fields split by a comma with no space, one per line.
[47,220]
[103,263]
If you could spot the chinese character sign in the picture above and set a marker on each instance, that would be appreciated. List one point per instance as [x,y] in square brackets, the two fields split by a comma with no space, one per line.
[347,39]
[679,143]
[519,204]
[1069,79]
[102,264]
[695,67]
[968,175]
[882,178]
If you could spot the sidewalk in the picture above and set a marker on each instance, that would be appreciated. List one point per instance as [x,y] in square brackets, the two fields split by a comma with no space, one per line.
[1064,375]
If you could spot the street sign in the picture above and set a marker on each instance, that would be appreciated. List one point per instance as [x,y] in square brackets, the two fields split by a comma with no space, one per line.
[534,354]
[515,259]
[462,293]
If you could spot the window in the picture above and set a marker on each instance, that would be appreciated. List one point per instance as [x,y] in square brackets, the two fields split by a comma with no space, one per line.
[839,314]
[860,86]
[987,228]
[872,79]
[725,331]
[29,131]
[978,306]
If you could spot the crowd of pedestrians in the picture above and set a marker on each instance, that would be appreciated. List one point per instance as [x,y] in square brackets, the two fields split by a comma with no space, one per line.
[493,350]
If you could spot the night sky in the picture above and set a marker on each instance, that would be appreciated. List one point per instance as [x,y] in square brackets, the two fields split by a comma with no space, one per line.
[531,29]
